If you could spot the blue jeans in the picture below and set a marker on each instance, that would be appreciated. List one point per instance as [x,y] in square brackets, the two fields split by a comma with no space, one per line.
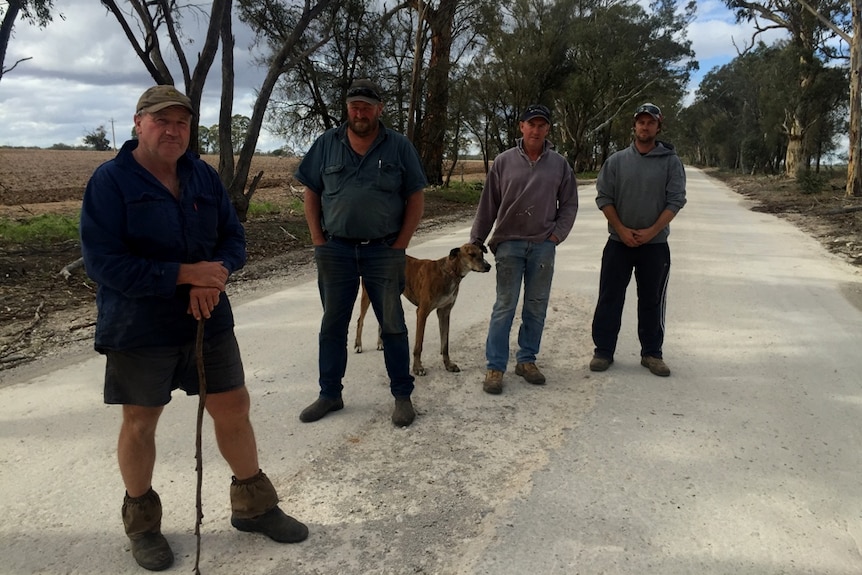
[532,263]
[339,266]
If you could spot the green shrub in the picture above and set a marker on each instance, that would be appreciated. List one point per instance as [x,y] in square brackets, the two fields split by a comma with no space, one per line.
[811,182]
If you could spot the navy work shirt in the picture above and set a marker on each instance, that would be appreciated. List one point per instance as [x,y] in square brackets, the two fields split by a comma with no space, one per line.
[134,236]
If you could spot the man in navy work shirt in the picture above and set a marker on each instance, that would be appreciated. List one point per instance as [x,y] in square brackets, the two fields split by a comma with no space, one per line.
[160,237]
[363,201]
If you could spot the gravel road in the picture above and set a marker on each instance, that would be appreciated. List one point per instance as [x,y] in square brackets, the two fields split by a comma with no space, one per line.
[745,460]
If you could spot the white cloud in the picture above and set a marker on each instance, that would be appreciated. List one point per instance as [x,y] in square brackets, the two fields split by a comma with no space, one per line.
[82,73]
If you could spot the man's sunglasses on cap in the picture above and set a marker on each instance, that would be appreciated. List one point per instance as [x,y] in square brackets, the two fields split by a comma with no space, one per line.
[363,92]
[650,109]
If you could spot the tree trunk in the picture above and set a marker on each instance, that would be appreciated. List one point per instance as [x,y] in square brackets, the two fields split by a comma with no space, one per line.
[854,162]
[6,26]
[432,132]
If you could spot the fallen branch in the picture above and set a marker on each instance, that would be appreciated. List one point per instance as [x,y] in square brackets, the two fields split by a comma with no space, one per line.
[67,270]
[845,210]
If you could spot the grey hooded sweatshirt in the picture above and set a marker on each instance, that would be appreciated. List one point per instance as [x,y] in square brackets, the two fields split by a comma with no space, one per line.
[642,186]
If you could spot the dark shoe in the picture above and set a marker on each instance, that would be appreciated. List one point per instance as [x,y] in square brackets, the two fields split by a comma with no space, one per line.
[142,519]
[319,408]
[600,363]
[493,382]
[151,551]
[403,414]
[275,524]
[656,365]
[530,372]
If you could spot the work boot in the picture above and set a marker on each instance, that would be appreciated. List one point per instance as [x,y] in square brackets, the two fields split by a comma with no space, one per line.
[600,363]
[403,414]
[530,372]
[493,382]
[319,408]
[656,365]
[254,506]
[142,518]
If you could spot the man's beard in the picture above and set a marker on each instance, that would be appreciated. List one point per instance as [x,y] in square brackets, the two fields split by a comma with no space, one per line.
[362,127]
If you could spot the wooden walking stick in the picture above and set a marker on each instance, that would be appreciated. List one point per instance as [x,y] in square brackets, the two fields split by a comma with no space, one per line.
[202,399]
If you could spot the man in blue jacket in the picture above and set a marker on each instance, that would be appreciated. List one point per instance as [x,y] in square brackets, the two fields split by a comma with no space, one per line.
[160,237]
[640,190]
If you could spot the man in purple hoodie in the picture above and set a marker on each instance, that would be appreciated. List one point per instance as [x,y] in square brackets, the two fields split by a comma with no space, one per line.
[531,195]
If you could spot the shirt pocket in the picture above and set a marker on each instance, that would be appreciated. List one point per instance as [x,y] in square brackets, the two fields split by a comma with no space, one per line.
[390,177]
[152,223]
[333,176]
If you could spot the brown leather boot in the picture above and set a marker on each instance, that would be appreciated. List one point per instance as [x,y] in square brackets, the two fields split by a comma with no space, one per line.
[254,505]
[142,518]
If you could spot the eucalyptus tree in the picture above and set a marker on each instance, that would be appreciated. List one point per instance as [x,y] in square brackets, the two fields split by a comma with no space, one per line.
[739,110]
[811,39]
[309,97]
[621,54]
[149,23]
[34,12]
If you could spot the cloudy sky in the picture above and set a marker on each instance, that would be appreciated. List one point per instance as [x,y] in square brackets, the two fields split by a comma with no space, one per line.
[83,74]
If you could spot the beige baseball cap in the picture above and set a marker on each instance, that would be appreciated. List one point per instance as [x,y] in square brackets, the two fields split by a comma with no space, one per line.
[161,97]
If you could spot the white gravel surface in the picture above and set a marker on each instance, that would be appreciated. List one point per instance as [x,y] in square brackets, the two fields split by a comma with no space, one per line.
[745,460]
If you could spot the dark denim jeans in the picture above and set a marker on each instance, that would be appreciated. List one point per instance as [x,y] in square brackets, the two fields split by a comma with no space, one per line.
[340,265]
[651,265]
[532,263]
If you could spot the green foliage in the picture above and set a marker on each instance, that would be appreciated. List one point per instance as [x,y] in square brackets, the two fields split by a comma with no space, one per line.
[44,229]
[812,182]
[256,208]
[98,139]
[458,192]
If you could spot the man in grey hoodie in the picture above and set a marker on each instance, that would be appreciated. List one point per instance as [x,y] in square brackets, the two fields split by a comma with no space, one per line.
[531,194]
[640,190]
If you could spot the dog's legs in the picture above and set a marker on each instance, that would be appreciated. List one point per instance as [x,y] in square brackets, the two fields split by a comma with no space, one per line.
[363,309]
[443,320]
[421,319]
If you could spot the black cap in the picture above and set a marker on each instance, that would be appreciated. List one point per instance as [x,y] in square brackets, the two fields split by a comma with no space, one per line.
[536,111]
[364,91]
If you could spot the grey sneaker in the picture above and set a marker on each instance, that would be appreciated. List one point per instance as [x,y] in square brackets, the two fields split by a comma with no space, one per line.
[656,365]
[530,372]
[493,382]
[403,414]
[600,363]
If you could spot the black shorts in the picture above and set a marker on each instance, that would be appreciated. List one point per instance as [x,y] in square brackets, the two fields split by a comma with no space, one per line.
[147,376]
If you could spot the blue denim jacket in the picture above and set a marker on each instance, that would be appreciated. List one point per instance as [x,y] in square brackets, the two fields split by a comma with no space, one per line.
[135,235]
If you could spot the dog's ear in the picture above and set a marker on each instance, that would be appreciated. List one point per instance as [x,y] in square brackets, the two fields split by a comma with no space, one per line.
[454,252]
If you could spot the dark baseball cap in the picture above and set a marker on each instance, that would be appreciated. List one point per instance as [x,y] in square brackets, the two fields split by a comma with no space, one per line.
[650,109]
[364,91]
[161,97]
[536,111]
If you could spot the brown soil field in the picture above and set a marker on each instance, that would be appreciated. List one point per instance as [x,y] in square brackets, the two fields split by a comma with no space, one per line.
[43,313]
